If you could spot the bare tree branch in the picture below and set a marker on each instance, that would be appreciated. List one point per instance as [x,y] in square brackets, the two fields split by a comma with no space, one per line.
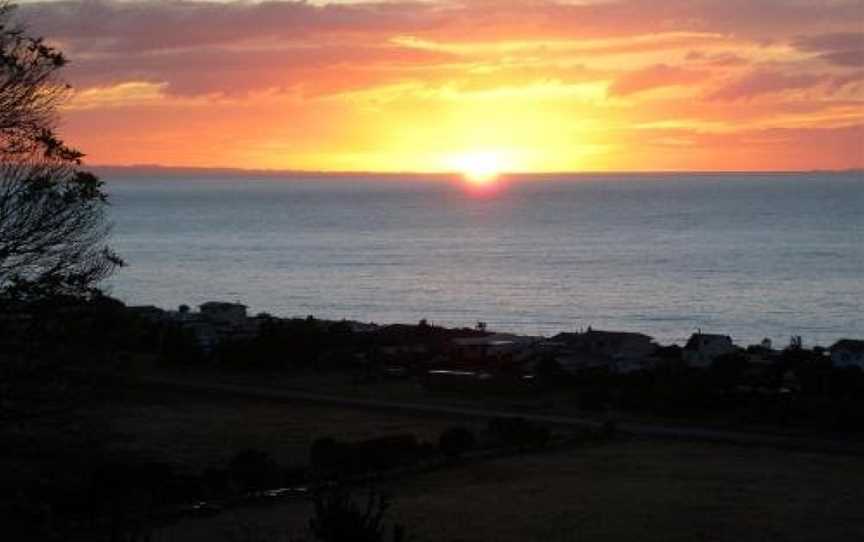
[53,229]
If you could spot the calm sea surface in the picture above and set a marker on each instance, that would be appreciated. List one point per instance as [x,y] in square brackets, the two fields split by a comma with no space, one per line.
[752,256]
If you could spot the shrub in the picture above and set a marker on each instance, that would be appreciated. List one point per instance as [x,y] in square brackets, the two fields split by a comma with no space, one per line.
[340,518]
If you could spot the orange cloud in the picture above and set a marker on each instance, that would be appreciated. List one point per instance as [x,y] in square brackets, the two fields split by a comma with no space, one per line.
[660,75]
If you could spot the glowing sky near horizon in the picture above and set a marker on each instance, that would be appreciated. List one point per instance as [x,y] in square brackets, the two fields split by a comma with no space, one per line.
[541,85]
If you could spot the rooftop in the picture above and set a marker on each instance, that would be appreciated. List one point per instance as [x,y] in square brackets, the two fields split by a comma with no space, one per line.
[852,345]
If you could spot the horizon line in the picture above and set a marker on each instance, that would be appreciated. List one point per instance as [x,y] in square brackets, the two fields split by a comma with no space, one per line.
[337,173]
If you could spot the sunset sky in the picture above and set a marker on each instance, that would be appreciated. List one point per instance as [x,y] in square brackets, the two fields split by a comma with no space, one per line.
[414,85]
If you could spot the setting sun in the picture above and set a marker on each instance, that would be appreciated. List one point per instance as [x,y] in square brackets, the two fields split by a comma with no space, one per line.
[479,168]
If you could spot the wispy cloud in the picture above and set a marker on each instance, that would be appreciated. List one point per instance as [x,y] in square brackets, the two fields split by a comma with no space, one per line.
[762,82]
[660,75]
[841,48]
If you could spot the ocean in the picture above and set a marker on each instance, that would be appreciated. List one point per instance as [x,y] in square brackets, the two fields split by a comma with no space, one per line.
[748,255]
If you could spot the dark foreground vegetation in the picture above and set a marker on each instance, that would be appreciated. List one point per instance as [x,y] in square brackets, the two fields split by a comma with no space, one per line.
[70,478]
[65,358]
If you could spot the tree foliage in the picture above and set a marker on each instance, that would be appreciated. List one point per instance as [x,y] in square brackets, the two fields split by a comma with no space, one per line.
[53,228]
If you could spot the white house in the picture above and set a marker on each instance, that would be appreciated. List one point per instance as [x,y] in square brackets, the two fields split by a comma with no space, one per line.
[703,348]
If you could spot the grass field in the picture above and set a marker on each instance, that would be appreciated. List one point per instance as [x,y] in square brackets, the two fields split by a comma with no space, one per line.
[623,491]
[200,430]
[642,491]
[558,402]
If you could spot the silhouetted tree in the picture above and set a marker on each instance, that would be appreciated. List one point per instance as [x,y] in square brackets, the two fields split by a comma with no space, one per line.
[52,214]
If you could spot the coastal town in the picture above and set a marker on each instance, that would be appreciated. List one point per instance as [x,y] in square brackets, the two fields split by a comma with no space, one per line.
[480,354]
[223,334]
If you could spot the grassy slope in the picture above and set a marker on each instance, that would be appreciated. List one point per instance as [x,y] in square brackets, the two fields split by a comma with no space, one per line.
[624,491]
[642,491]
[200,430]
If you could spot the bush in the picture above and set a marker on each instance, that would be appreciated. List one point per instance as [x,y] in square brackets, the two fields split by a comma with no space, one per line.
[339,518]
[455,441]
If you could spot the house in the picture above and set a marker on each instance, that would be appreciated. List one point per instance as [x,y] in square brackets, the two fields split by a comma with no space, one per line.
[481,348]
[618,344]
[848,352]
[224,313]
[148,313]
[363,327]
[618,351]
[417,342]
[574,363]
[762,354]
[703,348]
[493,349]
[216,323]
